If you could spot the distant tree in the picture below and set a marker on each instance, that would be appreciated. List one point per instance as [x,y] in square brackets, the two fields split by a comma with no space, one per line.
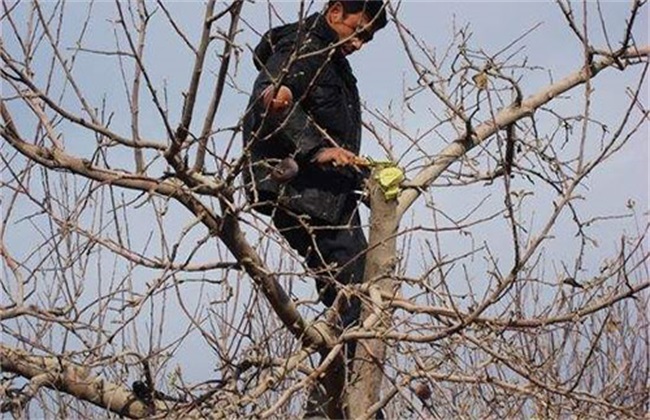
[130,252]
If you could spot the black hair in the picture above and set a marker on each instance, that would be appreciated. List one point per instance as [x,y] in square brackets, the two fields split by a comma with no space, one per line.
[373,8]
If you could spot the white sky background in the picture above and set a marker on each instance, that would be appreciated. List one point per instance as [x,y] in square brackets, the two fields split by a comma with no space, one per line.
[383,72]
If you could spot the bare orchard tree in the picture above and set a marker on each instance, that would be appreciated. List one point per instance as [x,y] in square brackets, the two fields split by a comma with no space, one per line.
[507,279]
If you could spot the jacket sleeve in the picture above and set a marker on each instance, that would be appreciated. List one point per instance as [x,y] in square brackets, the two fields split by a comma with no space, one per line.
[294,127]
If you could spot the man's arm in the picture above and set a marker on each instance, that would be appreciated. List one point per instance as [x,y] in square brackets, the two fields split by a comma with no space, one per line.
[282,85]
[279,102]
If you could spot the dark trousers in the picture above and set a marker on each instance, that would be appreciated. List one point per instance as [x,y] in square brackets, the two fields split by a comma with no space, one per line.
[337,252]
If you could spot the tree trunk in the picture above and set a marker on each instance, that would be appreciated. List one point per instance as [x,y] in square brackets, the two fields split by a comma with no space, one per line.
[365,383]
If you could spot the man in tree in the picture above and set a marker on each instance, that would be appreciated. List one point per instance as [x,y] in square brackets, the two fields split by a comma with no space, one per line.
[302,134]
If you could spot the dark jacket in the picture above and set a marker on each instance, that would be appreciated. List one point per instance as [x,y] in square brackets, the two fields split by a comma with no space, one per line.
[326,112]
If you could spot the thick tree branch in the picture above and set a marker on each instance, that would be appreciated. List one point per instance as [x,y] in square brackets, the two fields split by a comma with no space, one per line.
[504,118]
[532,323]
[24,79]
[58,159]
[190,98]
[316,336]
[77,381]
[235,10]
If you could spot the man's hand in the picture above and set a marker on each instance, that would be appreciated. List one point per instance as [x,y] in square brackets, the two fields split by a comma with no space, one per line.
[338,156]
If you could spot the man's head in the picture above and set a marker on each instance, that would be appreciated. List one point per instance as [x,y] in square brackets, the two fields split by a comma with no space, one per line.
[351,20]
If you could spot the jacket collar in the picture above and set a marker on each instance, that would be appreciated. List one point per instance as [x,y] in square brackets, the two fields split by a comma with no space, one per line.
[314,26]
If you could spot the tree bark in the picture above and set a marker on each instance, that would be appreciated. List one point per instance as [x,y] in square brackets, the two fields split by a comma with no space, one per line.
[76,380]
[506,117]
[365,383]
